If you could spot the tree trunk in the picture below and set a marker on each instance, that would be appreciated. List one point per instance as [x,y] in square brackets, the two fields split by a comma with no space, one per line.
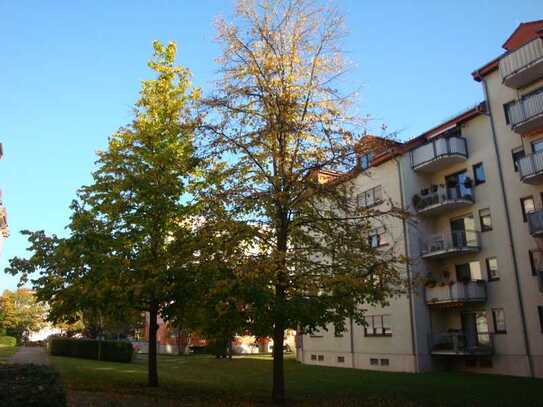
[278,391]
[152,361]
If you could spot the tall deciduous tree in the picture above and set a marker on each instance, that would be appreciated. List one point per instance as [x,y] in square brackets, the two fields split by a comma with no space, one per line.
[21,313]
[140,187]
[279,121]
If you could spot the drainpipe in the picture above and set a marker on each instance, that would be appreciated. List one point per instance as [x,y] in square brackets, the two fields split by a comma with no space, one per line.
[408,269]
[509,231]
[351,326]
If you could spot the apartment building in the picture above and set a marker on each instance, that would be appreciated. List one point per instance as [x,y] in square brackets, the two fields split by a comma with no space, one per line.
[474,187]
[4,231]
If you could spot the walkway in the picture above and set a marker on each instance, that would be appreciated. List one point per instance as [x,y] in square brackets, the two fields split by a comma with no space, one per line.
[35,354]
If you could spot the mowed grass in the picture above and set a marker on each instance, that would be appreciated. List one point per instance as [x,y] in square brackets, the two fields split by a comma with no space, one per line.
[6,352]
[247,380]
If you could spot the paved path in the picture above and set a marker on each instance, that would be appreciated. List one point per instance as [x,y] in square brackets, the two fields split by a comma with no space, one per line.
[34,354]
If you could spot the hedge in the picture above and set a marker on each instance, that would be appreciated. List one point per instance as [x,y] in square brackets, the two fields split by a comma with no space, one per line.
[8,341]
[112,351]
[30,386]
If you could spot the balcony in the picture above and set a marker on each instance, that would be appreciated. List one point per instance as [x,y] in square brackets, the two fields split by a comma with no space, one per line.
[523,65]
[461,344]
[438,199]
[526,114]
[455,243]
[531,168]
[439,153]
[456,293]
[535,223]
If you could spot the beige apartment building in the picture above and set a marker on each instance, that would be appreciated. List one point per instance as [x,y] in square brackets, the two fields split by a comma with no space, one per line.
[474,187]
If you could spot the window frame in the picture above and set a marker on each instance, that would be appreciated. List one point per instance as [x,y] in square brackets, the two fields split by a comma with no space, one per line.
[376,199]
[488,273]
[386,331]
[482,225]
[523,208]
[515,151]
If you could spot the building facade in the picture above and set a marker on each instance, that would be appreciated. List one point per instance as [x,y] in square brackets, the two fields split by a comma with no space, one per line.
[4,231]
[474,188]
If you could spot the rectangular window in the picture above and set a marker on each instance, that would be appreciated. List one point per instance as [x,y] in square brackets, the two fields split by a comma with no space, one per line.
[479,174]
[469,271]
[378,325]
[498,316]
[537,146]
[492,269]
[365,160]
[485,219]
[527,204]
[506,108]
[536,261]
[321,358]
[518,154]
[377,237]
[374,361]
[385,362]
[341,359]
[540,313]
[339,334]
[313,357]
[371,197]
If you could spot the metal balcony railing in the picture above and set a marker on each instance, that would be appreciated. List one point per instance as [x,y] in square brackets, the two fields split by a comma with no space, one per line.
[450,243]
[459,343]
[457,292]
[531,165]
[519,61]
[438,148]
[535,222]
[525,109]
[441,196]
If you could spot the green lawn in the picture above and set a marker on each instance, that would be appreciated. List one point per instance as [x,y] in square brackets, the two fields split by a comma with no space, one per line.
[246,379]
[6,352]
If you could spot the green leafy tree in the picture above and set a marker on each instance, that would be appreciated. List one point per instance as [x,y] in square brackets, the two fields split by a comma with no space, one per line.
[21,313]
[279,122]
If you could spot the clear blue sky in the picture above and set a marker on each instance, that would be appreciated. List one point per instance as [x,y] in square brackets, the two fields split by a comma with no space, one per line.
[70,72]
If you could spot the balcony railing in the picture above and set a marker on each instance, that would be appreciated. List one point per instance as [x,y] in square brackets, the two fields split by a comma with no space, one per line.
[535,223]
[526,115]
[442,198]
[448,244]
[531,168]
[439,153]
[460,343]
[523,65]
[456,293]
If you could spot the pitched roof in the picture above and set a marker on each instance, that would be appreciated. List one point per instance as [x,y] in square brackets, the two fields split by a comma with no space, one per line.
[523,33]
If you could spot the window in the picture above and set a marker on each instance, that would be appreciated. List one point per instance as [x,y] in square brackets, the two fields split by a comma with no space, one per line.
[518,154]
[479,174]
[485,219]
[506,108]
[365,160]
[469,271]
[378,325]
[385,362]
[498,315]
[376,237]
[320,358]
[540,313]
[341,359]
[374,361]
[537,146]
[536,261]
[492,269]
[339,334]
[313,357]
[527,205]
[371,197]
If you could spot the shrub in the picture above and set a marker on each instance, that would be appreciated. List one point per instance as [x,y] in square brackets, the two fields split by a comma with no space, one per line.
[112,351]
[30,385]
[8,341]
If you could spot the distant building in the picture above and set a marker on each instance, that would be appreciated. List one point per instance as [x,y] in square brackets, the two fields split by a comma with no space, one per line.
[4,231]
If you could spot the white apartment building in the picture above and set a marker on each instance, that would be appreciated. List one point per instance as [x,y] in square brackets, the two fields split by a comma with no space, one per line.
[474,187]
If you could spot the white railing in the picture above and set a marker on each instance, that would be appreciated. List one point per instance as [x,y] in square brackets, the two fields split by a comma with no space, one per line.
[521,58]
[535,222]
[441,196]
[526,108]
[457,292]
[481,343]
[531,165]
[438,148]
[455,240]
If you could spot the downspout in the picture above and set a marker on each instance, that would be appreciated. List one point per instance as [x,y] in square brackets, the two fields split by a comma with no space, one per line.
[408,269]
[509,231]
[351,326]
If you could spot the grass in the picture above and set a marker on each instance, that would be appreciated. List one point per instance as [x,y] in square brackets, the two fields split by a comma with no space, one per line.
[247,380]
[6,352]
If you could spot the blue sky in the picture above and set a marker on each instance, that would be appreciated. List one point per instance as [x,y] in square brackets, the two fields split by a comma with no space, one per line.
[70,72]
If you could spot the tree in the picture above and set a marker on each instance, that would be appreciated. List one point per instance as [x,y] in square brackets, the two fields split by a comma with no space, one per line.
[279,122]
[21,313]
[140,187]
